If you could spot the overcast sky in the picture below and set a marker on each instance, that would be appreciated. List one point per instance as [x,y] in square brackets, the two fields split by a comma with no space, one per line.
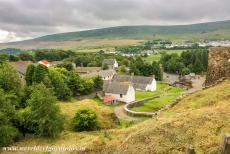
[23,19]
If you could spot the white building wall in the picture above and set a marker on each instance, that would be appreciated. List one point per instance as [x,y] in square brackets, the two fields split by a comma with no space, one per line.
[152,86]
[115,65]
[128,98]
[108,77]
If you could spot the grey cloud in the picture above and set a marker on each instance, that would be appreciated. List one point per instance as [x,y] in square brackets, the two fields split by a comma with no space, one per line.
[28,18]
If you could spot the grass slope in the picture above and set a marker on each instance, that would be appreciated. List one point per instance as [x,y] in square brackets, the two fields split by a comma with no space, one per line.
[105,115]
[146,32]
[200,121]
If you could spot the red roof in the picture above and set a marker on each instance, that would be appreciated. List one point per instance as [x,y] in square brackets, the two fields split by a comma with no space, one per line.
[108,99]
[44,62]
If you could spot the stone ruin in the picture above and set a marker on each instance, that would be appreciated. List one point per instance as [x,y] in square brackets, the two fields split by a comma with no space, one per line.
[218,65]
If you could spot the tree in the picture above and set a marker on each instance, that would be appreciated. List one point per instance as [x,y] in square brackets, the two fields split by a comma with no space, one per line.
[134,70]
[13,58]
[105,67]
[26,57]
[88,86]
[7,115]
[9,79]
[45,112]
[98,83]
[75,83]
[59,83]
[85,120]
[39,74]
[157,71]
[198,66]
[185,71]
[7,132]
[29,74]
[67,65]
[4,57]
[122,69]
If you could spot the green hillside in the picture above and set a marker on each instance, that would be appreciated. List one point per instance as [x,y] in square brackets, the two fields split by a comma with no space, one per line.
[108,38]
[212,30]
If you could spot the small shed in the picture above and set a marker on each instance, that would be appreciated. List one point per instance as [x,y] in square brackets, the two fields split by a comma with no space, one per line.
[110,100]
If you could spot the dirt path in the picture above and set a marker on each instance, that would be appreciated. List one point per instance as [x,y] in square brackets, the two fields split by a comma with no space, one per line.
[197,84]
[119,111]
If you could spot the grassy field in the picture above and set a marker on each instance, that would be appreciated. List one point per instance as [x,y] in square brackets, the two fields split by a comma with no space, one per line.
[156,104]
[161,88]
[83,45]
[105,114]
[157,56]
[199,121]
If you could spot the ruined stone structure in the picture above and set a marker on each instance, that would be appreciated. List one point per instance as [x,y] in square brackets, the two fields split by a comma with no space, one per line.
[218,64]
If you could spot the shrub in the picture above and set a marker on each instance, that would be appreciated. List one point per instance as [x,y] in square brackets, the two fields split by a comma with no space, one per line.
[85,120]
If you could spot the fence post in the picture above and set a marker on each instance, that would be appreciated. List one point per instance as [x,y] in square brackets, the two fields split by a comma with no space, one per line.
[226,144]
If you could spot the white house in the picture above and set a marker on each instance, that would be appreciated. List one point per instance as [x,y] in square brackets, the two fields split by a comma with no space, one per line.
[112,63]
[138,82]
[123,92]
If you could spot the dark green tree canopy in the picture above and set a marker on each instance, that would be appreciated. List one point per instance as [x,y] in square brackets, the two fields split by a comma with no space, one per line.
[45,112]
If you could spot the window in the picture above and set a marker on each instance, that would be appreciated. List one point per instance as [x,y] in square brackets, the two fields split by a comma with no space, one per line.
[121,95]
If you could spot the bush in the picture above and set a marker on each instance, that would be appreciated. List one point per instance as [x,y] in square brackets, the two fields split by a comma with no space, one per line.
[85,120]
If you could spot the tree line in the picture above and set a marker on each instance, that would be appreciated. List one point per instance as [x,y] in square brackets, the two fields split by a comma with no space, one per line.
[189,61]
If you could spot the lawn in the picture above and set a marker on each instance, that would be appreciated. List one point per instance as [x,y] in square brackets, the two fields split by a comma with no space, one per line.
[157,56]
[161,88]
[156,104]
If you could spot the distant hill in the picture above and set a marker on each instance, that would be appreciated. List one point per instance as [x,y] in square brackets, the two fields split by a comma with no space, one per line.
[210,31]
[143,32]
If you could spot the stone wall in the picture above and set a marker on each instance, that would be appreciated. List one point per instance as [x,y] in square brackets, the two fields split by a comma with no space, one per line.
[218,65]
[128,107]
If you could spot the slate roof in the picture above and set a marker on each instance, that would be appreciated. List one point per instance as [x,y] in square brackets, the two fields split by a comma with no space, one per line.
[106,73]
[139,82]
[87,69]
[102,73]
[55,63]
[115,87]
[109,61]
[21,66]
[134,79]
